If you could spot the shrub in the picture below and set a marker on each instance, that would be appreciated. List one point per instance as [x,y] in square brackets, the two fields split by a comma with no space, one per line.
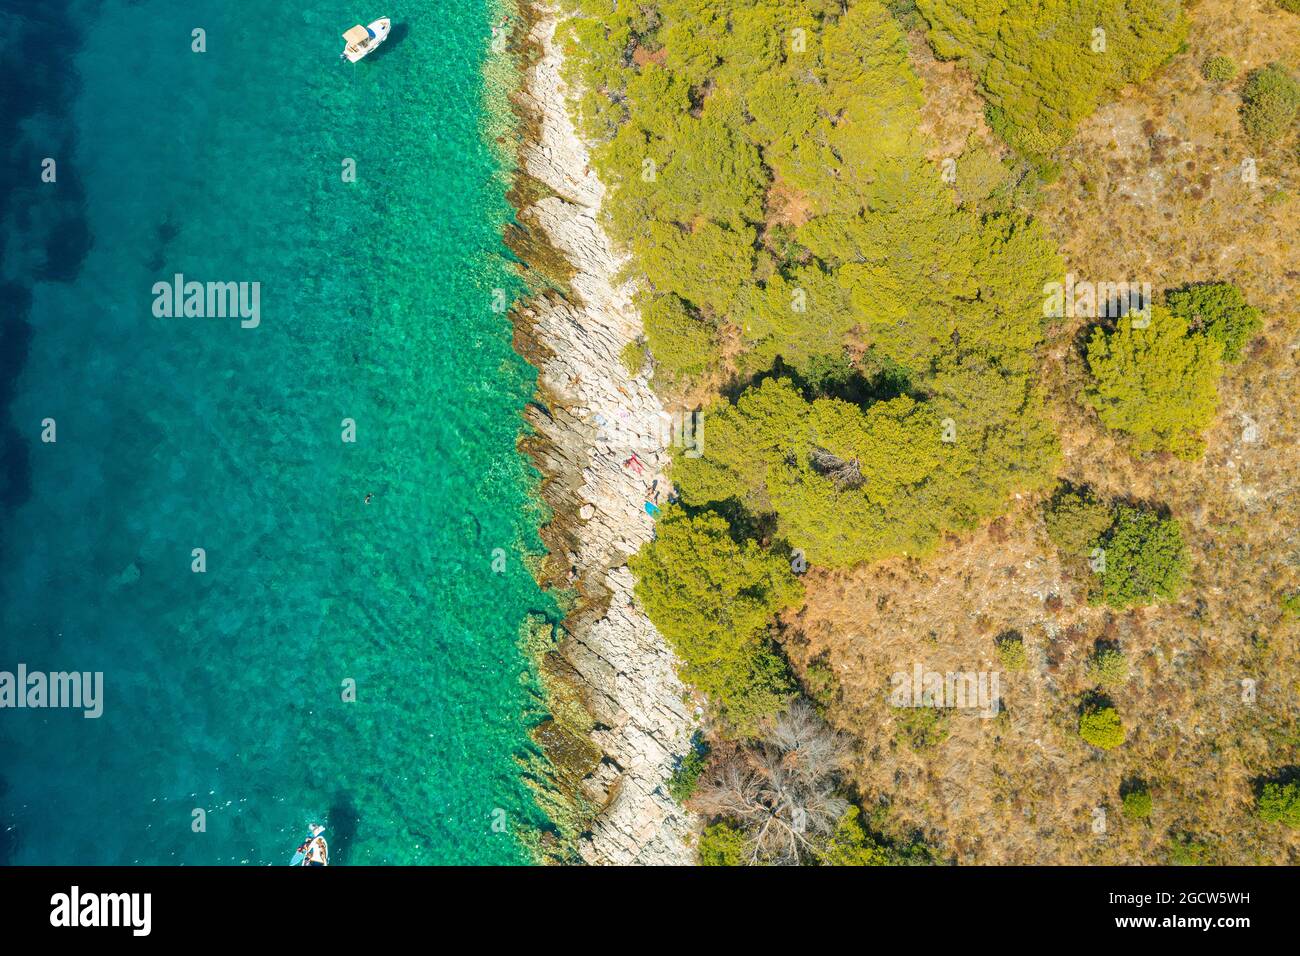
[633,357]
[922,728]
[1158,384]
[721,845]
[1291,5]
[1221,311]
[1186,850]
[851,845]
[821,683]
[1076,520]
[1137,803]
[1100,725]
[1108,668]
[1269,102]
[686,775]
[1011,652]
[1218,69]
[1280,803]
[713,599]
[681,343]
[1290,605]
[1142,554]
[1145,558]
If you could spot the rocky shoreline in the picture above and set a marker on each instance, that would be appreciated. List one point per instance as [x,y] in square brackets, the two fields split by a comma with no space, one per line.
[600,439]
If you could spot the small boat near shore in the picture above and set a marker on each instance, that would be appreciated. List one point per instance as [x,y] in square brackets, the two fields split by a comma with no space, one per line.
[361,41]
[315,852]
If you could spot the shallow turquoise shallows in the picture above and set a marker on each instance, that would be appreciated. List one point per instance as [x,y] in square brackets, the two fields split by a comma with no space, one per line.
[380,309]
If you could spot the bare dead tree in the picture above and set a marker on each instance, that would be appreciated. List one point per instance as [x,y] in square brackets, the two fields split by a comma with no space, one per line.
[784,790]
[845,472]
[801,733]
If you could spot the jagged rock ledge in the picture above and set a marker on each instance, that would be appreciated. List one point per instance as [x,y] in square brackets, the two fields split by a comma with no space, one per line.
[591,416]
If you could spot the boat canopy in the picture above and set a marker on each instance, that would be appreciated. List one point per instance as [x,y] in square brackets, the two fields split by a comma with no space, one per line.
[357,34]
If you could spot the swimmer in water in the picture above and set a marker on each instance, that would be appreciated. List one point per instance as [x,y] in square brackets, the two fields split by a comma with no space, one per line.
[368,497]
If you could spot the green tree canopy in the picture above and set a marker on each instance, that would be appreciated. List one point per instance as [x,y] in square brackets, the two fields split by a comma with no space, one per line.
[1137,803]
[1076,520]
[851,484]
[713,599]
[1159,384]
[1221,311]
[851,845]
[846,485]
[721,845]
[1145,558]
[1280,803]
[1100,725]
[682,342]
[713,109]
[1043,65]
[1269,103]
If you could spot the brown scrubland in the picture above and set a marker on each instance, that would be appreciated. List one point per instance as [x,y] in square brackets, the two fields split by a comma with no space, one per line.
[1151,190]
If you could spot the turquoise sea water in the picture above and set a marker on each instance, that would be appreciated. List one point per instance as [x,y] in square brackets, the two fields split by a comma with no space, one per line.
[224,689]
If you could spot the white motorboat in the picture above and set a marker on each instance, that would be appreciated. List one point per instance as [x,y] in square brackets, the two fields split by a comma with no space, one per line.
[363,40]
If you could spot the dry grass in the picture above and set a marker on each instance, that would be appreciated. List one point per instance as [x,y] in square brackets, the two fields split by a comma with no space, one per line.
[1151,191]
[786,206]
[953,110]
